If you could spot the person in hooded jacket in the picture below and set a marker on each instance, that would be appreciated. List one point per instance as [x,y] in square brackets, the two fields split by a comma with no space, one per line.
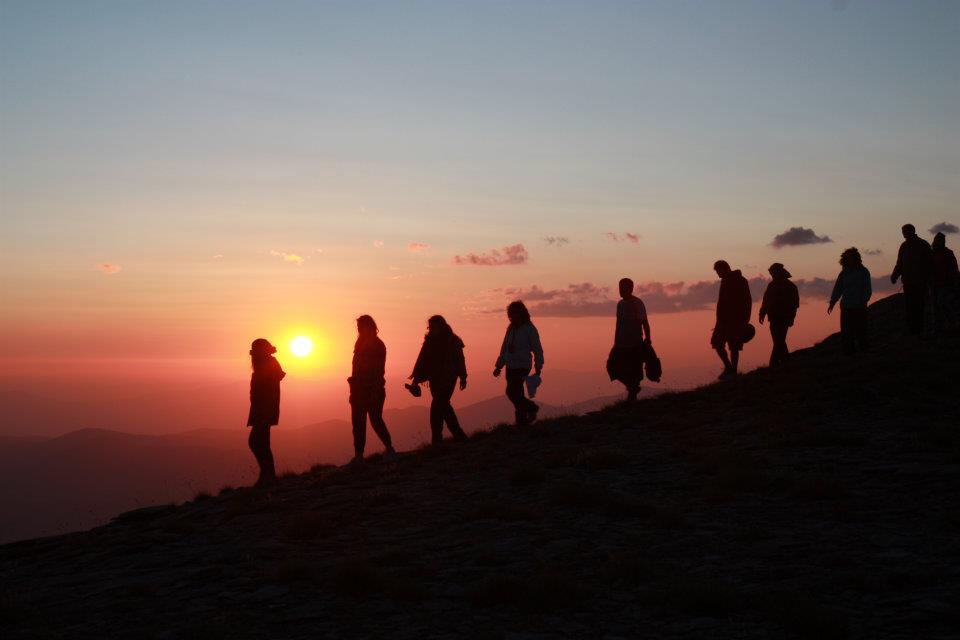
[944,282]
[520,351]
[780,303]
[441,363]
[914,262]
[852,289]
[264,406]
[734,304]
[368,388]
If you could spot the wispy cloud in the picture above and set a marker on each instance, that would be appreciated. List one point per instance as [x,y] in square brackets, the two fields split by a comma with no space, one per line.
[217,256]
[626,236]
[510,255]
[417,247]
[797,236]
[292,258]
[378,244]
[872,252]
[944,227]
[108,268]
[556,241]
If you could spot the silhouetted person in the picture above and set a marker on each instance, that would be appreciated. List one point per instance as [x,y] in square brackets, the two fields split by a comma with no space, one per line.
[853,289]
[630,337]
[264,406]
[780,303]
[914,262]
[368,388]
[519,352]
[734,305]
[944,281]
[441,363]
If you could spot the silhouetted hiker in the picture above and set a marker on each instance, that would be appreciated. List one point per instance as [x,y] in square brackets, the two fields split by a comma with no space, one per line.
[264,406]
[733,327]
[441,363]
[630,339]
[519,352]
[944,281]
[780,303]
[853,289]
[367,388]
[914,263]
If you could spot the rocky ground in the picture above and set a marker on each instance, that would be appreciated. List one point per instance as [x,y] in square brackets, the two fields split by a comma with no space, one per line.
[818,500]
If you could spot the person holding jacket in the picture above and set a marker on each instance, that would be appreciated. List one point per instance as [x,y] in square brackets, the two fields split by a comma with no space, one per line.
[520,350]
[441,364]
[631,341]
[264,407]
[853,290]
[914,263]
[368,389]
[734,304]
[780,303]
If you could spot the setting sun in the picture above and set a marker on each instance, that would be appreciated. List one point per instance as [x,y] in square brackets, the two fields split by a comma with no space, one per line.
[301,346]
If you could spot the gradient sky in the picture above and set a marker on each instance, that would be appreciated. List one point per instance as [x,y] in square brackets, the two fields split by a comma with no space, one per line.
[177,178]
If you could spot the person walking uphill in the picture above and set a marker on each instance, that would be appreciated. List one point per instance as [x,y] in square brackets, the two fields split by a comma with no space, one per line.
[368,388]
[914,264]
[853,290]
[264,406]
[630,338]
[780,303]
[520,350]
[945,279]
[733,328]
[441,363]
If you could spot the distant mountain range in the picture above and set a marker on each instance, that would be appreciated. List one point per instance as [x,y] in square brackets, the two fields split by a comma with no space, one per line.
[85,477]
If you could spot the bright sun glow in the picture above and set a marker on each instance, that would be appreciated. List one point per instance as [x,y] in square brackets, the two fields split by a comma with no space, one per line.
[301,346]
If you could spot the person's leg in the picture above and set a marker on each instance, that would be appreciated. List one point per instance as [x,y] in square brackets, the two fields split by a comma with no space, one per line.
[259,443]
[913,297]
[862,329]
[780,351]
[775,351]
[437,411]
[515,379]
[734,357]
[722,352]
[358,417]
[848,330]
[377,398]
[450,416]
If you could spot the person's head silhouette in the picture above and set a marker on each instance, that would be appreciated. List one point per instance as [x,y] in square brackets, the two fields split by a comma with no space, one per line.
[626,287]
[261,347]
[722,268]
[518,313]
[777,270]
[939,240]
[437,325]
[908,231]
[850,258]
[366,326]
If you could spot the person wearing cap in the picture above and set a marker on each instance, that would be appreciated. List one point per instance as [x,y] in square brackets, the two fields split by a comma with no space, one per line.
[733,328]
[630,338]
[780,303]
[264,406]
[520,351]
[914,264]
[368,389]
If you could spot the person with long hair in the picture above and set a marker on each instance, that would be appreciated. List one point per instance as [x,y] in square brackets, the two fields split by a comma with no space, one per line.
[264,406]
[441,363]
[520,351]
[853,290]
[368,388]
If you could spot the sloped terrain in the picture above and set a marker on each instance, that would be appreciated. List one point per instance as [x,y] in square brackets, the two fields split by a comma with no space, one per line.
[817,500]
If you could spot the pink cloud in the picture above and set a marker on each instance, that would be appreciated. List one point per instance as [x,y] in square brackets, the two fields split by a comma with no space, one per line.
[509,255]
[378,244]
[108,268]
[292,258]
[625,237]
[417,247]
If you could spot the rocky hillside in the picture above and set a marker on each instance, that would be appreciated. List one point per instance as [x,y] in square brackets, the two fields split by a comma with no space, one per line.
[818,500]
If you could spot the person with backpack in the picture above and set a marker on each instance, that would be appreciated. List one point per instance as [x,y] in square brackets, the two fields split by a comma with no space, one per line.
[441,363]
[264,407]
[780,303]
[631,340]
[852,289]
[732,329]
[368,389]
[520,351]
[914,264]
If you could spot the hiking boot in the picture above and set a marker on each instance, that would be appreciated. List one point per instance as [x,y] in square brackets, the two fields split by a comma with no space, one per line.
[390,455]
[532,414]
[727,374]
[356,462]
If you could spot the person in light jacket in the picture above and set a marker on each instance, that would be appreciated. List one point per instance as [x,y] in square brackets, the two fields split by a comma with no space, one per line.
[853,290]
[520,352]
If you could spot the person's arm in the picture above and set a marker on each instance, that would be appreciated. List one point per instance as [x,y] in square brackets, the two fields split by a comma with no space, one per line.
[837,292]
[537,349]
[763,304]
[501,359]
[420,374]
[461,368]
[618,327]
[645,323]
[898,269]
